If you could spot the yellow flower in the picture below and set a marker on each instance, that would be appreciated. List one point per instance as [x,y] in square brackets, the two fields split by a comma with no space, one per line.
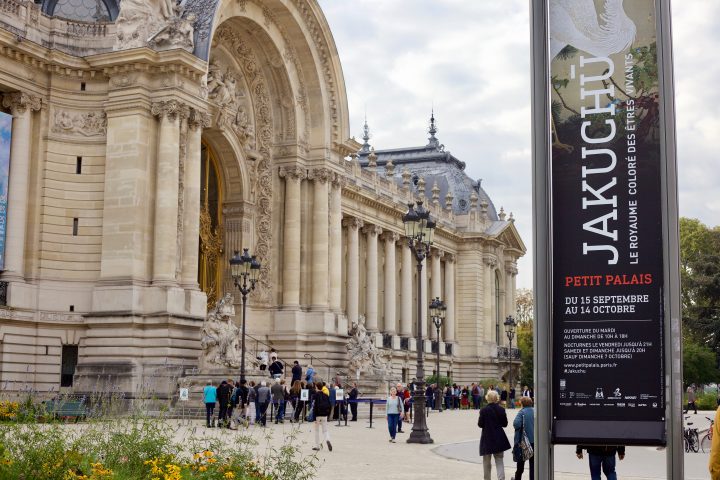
[212,460]
[208,453]
[202,468]
[229,475]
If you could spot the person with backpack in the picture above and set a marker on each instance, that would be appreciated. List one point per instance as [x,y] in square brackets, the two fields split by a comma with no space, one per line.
[393,409]
[310,374]
[321,410]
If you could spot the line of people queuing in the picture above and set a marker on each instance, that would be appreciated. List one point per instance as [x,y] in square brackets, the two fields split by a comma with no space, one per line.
[471,396]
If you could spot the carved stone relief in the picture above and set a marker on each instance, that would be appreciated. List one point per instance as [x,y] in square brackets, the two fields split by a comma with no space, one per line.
[88,124]
[155,23]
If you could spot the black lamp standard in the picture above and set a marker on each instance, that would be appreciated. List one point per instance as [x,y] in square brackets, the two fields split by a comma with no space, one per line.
[437,313]
[244,268]
[419,228]
[510,332]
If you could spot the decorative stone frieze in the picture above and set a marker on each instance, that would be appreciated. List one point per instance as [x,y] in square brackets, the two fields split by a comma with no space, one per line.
[88,124]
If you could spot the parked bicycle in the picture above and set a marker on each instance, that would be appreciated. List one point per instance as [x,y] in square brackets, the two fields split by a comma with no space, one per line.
[706,440]
[691,438]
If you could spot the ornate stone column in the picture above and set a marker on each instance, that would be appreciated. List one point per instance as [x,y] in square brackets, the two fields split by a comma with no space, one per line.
[436,285]
[166,192]
[510,276]
[406,291]
[320,241]
[291,233]
[449,327]
[390,323]
[335,292]
[490,263]
[191,203]
[371,267]
[353,268]
[425,300]
[21,106]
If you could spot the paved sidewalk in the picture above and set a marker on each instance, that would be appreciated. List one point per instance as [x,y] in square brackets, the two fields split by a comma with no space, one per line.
[366,453]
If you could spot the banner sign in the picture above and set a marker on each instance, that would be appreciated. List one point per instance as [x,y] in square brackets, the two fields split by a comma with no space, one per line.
[5,137]
[608,382]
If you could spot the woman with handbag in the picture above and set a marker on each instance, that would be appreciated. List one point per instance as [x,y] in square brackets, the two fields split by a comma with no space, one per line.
[493,441]
[524,436]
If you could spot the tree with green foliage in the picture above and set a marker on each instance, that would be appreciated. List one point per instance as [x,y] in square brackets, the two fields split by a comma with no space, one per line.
[699,364]
[525,318]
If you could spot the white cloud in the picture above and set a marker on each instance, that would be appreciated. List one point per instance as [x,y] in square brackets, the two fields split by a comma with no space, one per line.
[471,60]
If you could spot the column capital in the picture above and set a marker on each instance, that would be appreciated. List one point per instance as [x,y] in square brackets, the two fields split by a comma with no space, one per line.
[170,109]
[199,119]
[490,261]
[437,253]
[321,175]
[372,230]
[20,102]
[511,268]
[389,236]
[292,173]
[352,222]
[339,181]
[450,257]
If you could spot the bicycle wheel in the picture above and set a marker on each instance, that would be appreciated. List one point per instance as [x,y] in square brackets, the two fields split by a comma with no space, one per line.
[695,441]
[686,443]
[706,443]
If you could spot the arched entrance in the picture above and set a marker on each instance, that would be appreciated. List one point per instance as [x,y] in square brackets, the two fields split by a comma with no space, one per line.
[211,229]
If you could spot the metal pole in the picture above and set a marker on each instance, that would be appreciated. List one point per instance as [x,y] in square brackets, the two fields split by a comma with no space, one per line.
[242,340]
[420,433]
[438,402]
[671,257]
[510,379]
[542,243]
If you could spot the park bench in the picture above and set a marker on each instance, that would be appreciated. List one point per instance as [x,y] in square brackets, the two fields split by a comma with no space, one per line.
[66,409]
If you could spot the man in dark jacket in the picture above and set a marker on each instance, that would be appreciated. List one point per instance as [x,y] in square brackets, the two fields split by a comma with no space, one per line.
[224,392]
[263,399]
[275,368]
[352,397]
[601,457]
[296,372]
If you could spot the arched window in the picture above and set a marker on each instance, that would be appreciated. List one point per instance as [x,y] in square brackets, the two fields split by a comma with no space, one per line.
[211,231]
[82,10]
[498,320]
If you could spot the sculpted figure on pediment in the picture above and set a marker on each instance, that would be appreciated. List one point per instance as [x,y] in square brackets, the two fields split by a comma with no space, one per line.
[155,23]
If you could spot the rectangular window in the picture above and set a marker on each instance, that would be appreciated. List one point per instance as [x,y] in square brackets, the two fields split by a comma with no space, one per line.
[68,362]
[75,227]
[78,165]
[404,375]
[82,86]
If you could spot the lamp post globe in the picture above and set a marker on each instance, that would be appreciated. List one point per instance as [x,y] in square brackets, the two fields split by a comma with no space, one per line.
[419,228]
[245,271]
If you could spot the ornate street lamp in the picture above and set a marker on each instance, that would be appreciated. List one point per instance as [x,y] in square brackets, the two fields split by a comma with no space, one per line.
[245,270]
[510,325]
[419,228]
[438,309]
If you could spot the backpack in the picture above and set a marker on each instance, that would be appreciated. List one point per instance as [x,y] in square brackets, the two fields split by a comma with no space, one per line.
[322,404]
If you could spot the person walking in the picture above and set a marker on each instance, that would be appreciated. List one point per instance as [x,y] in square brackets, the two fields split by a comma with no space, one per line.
[691,399]
[263,400]
[209,398]
[714,463]
[277,391]
[493,441]
[321,410]
[475,389]
[524,423]
[276,367]
[393,411]
[481,395]
[310,374]
[401,395]
[224,392]
[601,458]
[352,397]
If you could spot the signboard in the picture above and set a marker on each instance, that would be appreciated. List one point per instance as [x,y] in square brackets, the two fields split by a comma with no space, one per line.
[608,383]
[184,395]
[304,395]
[5,138]
[339,394]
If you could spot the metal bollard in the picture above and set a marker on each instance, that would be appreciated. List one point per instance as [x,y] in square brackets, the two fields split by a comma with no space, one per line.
[371,413]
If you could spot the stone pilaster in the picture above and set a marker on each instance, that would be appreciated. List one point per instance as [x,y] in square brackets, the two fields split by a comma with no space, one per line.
[510,278]
[425,300]
[449,328]
[291,233]
[191,204]
[490,262]
[390,299]
[21,106]
[371,267]
[166,192]
[335,288]
[406,291]
[320,238]
[436,284]
[353,268]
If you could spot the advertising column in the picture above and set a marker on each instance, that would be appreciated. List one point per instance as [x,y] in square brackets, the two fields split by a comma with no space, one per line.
[608,384]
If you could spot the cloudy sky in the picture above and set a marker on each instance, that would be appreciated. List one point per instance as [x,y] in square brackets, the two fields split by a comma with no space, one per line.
[469,59]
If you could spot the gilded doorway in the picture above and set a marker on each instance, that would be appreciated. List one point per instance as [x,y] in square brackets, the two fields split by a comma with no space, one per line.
[211,230]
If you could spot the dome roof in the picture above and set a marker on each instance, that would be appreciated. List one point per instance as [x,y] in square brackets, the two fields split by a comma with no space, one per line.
[433,164]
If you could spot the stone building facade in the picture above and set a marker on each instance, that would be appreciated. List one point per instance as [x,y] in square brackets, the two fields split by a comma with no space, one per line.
[151,140]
